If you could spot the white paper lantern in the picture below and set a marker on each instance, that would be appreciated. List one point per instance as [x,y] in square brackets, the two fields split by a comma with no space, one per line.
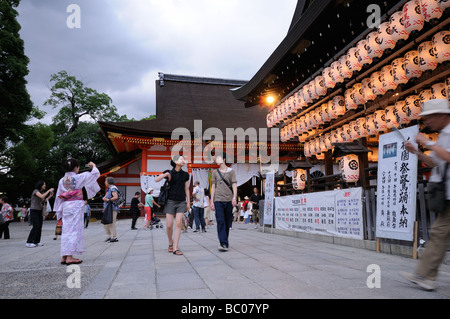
[331,110]
[352,60]
[319,85]
[306,149]
[424,95]
[317,146]
[372,46]
[301,104]
[357,94]
[318,116]
[322,144]
[412,68]
[412,107]
[387,78]
[325,116]
[328,79]
[430,10]
[444,4]
[447,84]
[349,102]
[401,112]
[439,91]
[328,141]
[361,53]
[427,60]
[312,90]
[361,127]
[380,121]
[398,71]
[349,166]
[377,85]
[412,17]
[353,130]
[385,39]
[339,105]
[391,119]
[298,179]
[345,133]
[335,74]
[399,33]
[343,68]
[441,45]
[366,89]
[334,137]
[370,125]
[269,119]
[306,97]
[284,111]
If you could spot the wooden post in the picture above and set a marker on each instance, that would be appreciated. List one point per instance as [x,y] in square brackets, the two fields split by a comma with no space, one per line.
[416,239]
[378,245]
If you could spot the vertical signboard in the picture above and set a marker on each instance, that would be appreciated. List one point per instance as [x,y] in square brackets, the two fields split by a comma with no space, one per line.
[268,202]
[397,183]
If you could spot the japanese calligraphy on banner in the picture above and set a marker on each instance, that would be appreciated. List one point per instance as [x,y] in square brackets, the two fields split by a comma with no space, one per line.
[397,182]
[268,201]
[333,213]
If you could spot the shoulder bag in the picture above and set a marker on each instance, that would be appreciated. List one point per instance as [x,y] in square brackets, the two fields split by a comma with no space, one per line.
[437,194]
[221,176]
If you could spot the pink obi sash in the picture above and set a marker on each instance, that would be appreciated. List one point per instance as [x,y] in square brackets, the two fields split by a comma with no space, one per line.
[72,195]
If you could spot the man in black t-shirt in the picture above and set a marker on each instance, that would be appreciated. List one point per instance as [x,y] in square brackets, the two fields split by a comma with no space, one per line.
[254,199]
[134,209]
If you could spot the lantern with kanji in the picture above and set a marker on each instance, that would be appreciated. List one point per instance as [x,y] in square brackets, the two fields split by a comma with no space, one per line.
[412,68]
[328,141]
[357,94]
[366,89]
[444,4]
[377,85]
[349,102]
[380,121]
[399,33]
[424,96]
[353,130]
[331,110]
[385,39]
[307,149]
[401,112]
[319,84]
[391,119]
[301,104]
[349,166]
[441,46]
[412,17]
[439,91]
[328,79]
[299,179]
[427,60]
[398,71]
[346,133]
[339,105]
[430,10]
[361,127]
[361,52]
[370,125]
[334,138]
[312,90]
[387,78]
[447,85]
[325,116]
[306,97]
[352,60]
[412,107]
[344,70]
[335,74]
[372,46]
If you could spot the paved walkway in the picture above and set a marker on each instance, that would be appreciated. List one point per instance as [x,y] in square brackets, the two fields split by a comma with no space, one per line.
[258,265]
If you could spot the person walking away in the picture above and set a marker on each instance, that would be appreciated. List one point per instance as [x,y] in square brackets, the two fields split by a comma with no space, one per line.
[87,213]
[254,199]
[207,209]
[224,198]
[112,194]
[69,207]
[6,217]
[436,114]
[178,201]
[199,211]
[37,199]
[134,209]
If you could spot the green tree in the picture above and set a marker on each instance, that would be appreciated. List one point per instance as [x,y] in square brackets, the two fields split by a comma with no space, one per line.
[15,102]
[75,100]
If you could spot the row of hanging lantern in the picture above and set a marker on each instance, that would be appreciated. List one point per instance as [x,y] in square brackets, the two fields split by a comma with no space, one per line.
[399,72]
[400,113]
[399,27]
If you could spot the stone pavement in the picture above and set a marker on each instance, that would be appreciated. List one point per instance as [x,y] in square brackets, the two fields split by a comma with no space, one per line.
[257,266]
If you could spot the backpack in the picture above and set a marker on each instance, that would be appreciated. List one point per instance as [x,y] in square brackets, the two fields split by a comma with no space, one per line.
[121,200]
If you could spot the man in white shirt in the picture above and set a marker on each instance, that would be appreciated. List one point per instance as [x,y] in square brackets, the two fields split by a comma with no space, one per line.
[199,211]
[436,114]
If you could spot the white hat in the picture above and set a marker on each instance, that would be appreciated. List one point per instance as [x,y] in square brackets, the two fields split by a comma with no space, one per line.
[149,190]
[435,106]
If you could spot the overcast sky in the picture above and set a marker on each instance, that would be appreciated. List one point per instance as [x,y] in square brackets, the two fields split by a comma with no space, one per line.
[121,45]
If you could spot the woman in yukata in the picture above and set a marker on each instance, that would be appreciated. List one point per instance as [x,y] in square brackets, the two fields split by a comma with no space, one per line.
[69,206]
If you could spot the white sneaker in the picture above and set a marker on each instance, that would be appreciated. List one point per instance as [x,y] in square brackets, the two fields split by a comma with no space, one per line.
[29,245]
[39,244]
[223,248]
[416,279]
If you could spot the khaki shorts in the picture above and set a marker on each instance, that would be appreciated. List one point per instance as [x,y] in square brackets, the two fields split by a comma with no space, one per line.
[172,207]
